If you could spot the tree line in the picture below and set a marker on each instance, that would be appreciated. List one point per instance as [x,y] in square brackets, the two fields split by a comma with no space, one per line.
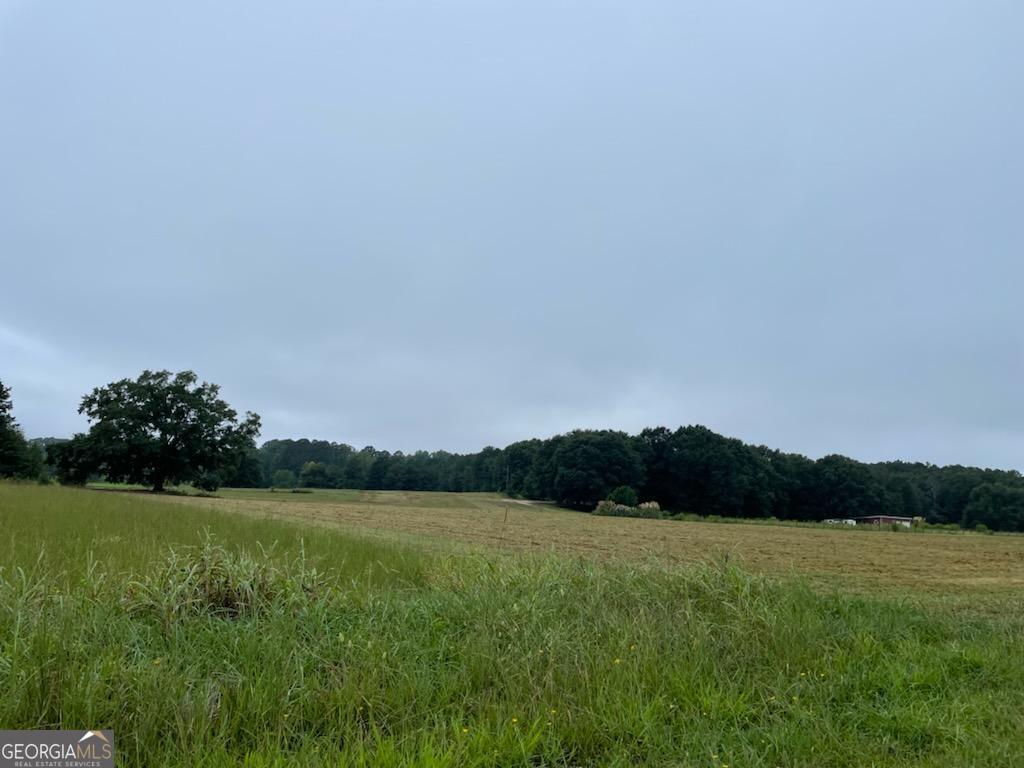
[165,428]
[689,469]
[158,429]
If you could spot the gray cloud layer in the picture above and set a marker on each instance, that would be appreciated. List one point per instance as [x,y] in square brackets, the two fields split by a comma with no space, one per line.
[444,225]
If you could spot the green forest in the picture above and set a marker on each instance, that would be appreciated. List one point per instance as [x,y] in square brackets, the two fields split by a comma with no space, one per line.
[690,469]
[163,427]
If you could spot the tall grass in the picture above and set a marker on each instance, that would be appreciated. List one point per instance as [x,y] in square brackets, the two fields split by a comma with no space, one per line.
[206,639]
[67,532]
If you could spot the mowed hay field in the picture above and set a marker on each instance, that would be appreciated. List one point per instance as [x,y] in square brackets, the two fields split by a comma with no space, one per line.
[936,562]
[213,632]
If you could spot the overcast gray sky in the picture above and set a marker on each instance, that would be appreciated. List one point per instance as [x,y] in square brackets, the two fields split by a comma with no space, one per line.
[447,225]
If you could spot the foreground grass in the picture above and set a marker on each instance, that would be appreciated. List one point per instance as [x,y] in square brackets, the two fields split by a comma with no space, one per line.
[65,534]
[262,643]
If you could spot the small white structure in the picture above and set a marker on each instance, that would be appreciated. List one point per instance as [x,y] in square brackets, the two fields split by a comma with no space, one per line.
[881,520]
[840,521]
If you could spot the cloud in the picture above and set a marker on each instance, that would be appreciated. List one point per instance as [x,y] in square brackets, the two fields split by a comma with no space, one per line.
[451,226]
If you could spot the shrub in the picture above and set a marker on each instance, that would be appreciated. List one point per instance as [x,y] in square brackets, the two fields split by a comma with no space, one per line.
[624,495]
[207,481]
[610,509]
[283,478]
[650,510]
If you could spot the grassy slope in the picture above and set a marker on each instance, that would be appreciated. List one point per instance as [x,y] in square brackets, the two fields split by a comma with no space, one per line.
[397,657]
[945,565]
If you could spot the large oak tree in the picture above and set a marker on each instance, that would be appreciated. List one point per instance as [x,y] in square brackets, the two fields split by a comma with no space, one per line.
[159,428]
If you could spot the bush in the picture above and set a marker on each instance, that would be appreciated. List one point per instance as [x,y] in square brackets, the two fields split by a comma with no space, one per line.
[610,509]
[283,478]
[207,481]
[624,495]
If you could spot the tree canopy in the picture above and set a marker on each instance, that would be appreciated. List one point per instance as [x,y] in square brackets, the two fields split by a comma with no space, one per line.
[168,428]
[689,469]
[159,428]
[18,457]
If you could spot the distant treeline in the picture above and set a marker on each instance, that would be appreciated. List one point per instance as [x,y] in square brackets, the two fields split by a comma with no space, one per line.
[690,469]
